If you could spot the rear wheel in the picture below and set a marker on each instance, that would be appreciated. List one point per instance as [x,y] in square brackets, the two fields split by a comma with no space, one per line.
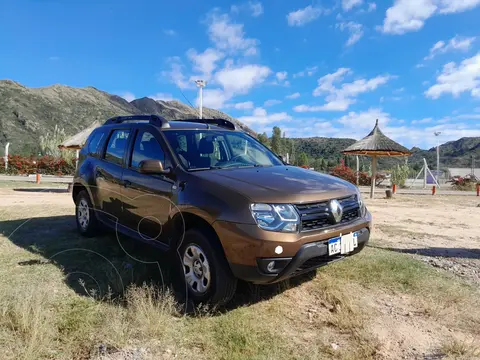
[87,223]
[208,277]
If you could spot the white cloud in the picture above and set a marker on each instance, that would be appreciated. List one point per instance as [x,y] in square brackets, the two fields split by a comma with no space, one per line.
[371,7]
[410,15]
[256,8]
[214,98]
[340,98]
[205,63]
[348,5]
[261,117]
[309,71]
[458,79]
[293,96]
[355,30]
[271,102]
[175,75]
[304,16]
[334,105]
[365,119]
[162,96]
[127,95]
[457,43]
[422,121]
[229,36]
[241,79]
[169,32]
[281,76]
[247,105]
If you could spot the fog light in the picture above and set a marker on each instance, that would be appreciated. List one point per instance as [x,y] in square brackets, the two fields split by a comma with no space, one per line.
[278,250]
[271,266]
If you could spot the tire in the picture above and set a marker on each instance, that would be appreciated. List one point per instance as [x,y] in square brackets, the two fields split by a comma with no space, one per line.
[87,223]
[200,257]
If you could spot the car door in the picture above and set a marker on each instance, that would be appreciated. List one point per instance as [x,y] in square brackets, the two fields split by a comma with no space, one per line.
[147,197]
[108,174]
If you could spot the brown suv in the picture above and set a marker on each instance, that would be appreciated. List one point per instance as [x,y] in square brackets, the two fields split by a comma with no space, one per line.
[222,202]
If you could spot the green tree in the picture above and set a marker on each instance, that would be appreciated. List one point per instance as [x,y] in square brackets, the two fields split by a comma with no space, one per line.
[318,164]
[263,138]
[303,159]
[276,141]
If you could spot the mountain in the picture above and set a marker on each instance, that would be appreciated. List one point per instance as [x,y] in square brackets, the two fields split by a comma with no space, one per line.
[26,113]
[456,153]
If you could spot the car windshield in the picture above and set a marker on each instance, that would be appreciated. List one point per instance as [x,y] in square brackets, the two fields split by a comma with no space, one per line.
[217,149]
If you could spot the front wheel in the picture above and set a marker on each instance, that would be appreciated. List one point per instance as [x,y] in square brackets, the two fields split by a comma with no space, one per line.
[208,277]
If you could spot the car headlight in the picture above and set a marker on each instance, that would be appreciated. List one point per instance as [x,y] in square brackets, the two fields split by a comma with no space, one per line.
[361,204]
[275,217]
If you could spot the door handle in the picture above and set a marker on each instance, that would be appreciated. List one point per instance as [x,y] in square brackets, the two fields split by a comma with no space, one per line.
[127,183]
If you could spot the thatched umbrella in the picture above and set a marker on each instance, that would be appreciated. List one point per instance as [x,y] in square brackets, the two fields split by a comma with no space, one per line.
[376,144]
[77,141]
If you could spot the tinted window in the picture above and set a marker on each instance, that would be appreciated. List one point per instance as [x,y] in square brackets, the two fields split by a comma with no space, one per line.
[197,149]
[95,142]
[147,148]
[116,146]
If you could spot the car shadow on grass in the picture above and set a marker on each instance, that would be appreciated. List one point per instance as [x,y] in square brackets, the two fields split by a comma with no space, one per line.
[105,266]
[438,252]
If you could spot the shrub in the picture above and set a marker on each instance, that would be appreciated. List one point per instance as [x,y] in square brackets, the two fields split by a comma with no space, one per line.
[344,172]
[400,174]
[48,165]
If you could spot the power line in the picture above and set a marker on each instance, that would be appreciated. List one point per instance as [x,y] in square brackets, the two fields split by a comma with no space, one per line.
[194,108]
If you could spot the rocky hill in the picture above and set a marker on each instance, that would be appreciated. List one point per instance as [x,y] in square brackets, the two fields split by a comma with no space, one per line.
[26,113]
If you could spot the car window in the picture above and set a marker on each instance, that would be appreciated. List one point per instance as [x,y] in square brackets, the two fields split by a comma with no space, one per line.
[96,140]
[147,148]
[116,146]
[207,149]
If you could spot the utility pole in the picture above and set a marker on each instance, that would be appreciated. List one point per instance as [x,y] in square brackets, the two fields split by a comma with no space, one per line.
[437,133]
[201,84]
[6,155]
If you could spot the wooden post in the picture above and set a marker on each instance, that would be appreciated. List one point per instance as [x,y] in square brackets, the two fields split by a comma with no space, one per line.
[374,172]
[434,190]
[478,189]
[358,170]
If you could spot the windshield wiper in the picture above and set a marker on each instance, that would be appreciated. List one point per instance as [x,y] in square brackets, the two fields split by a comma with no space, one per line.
[207,168]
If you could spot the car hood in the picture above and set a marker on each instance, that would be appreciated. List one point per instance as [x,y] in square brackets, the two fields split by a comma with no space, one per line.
[280,184]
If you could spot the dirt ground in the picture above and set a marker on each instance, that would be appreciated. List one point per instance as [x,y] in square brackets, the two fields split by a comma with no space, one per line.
[441,231]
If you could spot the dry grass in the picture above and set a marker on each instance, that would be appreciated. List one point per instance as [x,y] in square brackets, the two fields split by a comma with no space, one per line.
[462,349]
[47,313]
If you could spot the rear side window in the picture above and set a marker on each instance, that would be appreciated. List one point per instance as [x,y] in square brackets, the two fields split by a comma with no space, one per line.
[147,148]
[95,142]
[116,146]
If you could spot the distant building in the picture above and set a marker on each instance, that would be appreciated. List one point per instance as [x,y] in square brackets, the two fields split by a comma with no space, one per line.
[462,172]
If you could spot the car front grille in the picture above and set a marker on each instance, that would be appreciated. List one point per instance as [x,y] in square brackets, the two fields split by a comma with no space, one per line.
[315,216]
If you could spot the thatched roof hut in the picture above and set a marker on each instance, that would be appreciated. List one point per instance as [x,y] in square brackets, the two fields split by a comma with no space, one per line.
[78,140]
[376,144]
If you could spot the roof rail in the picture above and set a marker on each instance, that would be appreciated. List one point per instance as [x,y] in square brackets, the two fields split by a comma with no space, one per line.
[155,120]
[218,122]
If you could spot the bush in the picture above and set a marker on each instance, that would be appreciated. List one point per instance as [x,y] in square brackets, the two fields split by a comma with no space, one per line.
[47,165]
[344,172]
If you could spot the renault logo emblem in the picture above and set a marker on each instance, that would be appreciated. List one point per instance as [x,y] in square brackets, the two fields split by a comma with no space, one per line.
[336,210]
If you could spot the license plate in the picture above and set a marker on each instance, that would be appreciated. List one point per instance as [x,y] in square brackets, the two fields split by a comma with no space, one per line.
[343,244]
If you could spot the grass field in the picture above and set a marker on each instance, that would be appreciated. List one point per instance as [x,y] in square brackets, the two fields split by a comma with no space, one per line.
[66,297]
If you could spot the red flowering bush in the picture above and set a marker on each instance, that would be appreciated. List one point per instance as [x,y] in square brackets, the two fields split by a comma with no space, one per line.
[48,165]
[344,172]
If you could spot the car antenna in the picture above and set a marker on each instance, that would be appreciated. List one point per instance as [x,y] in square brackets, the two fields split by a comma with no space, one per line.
[194,108]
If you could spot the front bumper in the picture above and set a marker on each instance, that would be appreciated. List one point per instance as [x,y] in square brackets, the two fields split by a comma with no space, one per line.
[309,257]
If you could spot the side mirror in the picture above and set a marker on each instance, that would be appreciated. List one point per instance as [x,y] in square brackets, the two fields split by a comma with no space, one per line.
[152,167]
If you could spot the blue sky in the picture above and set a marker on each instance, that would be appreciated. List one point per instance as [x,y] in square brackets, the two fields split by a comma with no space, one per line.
[314,68]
